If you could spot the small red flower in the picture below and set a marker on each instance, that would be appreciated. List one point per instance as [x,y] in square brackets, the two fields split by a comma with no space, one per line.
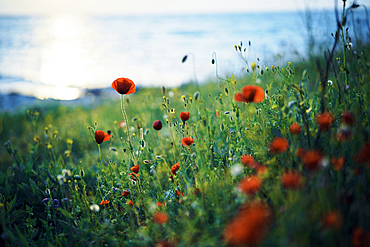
[252,93]
[184,116]
[291,180]
[333,219]
[295,129]
[311,159]
[360,238]
[130,203]
[101,136]
[174,168]
[301,152]
[159,204]
[250,185]
[157,125]
[248,160]
[279,145]
[186,141]
[337,163]
[124,86]
[160,218]
[104,202]
[363,157]
[178,193]
[135,169]
[324,121]
[125,193]
[348,118]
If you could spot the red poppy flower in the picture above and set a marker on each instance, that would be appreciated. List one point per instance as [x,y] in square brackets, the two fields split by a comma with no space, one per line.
[130,203]
[250,185]
[160,218]
[104,202]
[184,116]
[311,159]
[135,169]
[348,118]
[279,145]
[101,136]
[337,163]
[301,152]
[174,168]
[248,160]
[124,86]
[363,157]
[159,204]
[157,125]
[249,226]
[360,238]
[252,93]
[295,129]
[178,193]
[239,97]
[186,141]
[324,121]
[333,219]
[291,180]
[125,193]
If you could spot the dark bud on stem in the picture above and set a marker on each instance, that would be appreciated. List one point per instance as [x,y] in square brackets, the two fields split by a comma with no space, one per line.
[184,58]
[213,61]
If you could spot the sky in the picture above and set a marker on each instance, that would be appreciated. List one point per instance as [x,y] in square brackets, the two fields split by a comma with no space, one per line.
[136,7]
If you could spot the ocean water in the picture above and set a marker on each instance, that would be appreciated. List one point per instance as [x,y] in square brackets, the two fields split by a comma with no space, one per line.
[60,56]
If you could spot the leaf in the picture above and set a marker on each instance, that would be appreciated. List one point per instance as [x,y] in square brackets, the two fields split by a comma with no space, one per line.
[65,213]
[21,237]
[11,204]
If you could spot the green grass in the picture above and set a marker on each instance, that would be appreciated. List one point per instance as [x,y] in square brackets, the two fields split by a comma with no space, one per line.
[44,141]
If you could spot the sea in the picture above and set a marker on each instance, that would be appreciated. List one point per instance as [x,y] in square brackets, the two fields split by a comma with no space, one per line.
[64,56]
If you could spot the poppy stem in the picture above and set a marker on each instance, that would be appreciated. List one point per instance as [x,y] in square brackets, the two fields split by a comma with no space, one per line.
[127,127]
[101,161]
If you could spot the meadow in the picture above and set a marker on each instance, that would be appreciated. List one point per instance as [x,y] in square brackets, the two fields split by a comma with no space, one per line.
[278,157]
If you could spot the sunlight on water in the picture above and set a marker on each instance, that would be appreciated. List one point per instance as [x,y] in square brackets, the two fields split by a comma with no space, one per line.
[65,60]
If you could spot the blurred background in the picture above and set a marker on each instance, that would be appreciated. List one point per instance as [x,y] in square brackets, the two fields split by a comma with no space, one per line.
[67,50]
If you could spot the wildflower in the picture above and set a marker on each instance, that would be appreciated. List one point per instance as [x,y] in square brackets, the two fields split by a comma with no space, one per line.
[363,157]
[279,145]
[184,116]
[311,159]
[186,141]
[249,226]
[104,202]
[178,193]
[157,125]
[124,86]
[174,168]
[253,66]
[252,93]
[160,218]
[291,180]
[250,185]
[94,208]
[235,170]
[295,129]
[324,121]
[262,170]
[301,152]
[348,118]
[45,199]
[337,163]
[159,204]
[248,160]
[333,219]
[360,238]
[101,136]
[135,168]
[196,191]
[344,134]
[122,124]
[130,203]
[125,193]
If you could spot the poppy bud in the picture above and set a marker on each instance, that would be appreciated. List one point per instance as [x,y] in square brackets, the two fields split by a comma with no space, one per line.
[157,125]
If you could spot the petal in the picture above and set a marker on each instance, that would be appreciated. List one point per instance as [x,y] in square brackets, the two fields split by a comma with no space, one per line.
[259,95]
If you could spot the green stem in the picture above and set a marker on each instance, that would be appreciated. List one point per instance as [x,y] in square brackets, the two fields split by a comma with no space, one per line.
[127,127]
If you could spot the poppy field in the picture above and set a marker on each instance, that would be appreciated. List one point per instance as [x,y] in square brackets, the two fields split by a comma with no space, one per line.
[277,157]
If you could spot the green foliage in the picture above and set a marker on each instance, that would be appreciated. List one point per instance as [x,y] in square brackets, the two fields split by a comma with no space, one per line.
[55,178]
